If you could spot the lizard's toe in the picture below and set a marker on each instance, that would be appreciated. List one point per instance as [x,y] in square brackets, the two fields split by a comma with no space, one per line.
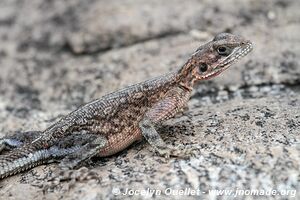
[190,151]
[180,151]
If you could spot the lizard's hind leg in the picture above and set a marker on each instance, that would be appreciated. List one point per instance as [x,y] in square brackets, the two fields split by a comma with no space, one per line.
[89,145]
[94,144]
[18,139]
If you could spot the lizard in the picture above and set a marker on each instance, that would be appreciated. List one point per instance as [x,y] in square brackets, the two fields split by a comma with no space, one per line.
[113,122]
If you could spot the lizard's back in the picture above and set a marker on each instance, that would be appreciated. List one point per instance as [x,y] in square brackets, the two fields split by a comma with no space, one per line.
[115,115]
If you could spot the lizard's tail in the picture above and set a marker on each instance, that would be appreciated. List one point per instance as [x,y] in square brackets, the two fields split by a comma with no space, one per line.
[27,157]
[21,159]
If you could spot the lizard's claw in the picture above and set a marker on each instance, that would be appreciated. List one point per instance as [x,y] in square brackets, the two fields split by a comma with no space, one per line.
[180,151]
[9,143]
[2,146]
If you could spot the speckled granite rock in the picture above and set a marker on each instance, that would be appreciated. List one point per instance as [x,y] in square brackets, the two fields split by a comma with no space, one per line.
[56,55]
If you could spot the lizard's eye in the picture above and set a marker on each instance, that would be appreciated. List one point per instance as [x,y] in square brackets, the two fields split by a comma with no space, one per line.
[203,67]
[224,50]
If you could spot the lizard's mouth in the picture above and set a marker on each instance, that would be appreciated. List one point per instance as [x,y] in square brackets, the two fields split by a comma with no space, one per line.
[232,58]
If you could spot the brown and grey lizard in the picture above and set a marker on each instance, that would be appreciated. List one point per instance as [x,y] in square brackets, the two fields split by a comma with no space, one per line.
[108,125]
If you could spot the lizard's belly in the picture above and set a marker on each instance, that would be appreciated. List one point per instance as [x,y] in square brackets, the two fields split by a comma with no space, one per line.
[119,141]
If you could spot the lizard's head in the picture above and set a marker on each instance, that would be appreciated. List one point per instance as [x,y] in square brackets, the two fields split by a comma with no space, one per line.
[214,57]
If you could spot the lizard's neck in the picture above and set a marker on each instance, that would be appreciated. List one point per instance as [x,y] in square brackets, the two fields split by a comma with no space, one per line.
[185,76]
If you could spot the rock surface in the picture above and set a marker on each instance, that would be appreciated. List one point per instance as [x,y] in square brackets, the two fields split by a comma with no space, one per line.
[56,55]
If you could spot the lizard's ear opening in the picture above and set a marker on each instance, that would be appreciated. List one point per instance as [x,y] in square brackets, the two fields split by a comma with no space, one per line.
[203,67]
[200,71]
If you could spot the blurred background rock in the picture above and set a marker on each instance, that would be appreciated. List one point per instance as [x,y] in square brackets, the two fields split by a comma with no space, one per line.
[56,55]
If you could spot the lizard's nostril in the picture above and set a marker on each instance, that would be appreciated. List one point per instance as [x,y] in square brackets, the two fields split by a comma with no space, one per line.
[245,42]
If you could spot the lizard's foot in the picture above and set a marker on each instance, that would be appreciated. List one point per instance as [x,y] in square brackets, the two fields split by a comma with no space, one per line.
[180,151]
[159,145]
[9,144]
[73,160]
[17,140]
[56,181]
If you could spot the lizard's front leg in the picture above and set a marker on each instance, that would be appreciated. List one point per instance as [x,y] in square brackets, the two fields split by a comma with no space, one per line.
[18,139]
[174,100]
